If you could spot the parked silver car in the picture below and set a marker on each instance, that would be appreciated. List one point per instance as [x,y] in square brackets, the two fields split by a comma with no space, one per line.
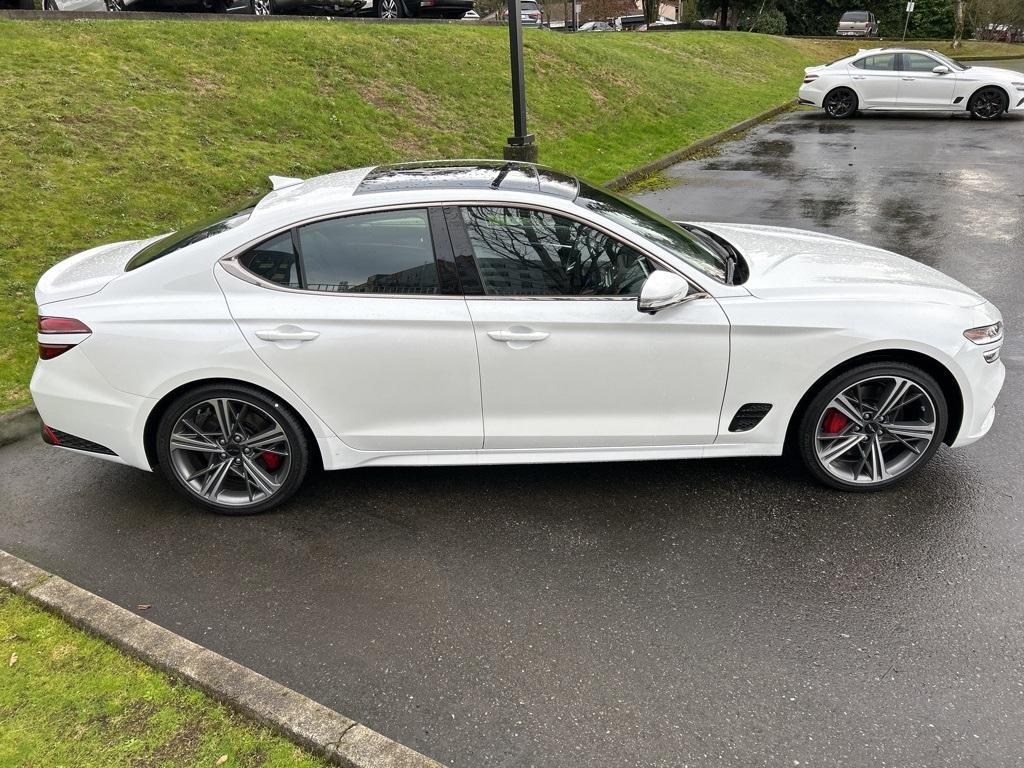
[857,24]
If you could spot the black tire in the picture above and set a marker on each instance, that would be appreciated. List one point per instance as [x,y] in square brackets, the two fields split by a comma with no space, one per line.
[807,429]
[390,9]
[258,411]
[840,103]
[988,103]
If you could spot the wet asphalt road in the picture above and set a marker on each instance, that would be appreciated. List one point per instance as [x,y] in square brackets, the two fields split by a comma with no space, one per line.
[725,613]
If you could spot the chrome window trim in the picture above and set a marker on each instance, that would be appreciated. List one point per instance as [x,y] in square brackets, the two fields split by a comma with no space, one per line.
[233,267]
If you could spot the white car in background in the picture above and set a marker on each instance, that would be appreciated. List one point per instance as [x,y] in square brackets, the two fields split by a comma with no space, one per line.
[906,79]
[482,312]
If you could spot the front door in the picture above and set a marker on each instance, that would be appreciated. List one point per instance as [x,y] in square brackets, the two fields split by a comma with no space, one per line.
[920,88]
[566,360]
[354,316]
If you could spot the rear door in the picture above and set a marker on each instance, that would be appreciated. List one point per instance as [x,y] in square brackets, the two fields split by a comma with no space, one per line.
[920,88]
[876,80]
[361,319]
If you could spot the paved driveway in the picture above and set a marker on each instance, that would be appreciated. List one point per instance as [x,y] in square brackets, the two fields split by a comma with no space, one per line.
[648,614]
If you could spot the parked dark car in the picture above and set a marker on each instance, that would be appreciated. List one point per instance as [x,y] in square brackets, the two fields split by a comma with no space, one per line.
[399,9]
[256,7]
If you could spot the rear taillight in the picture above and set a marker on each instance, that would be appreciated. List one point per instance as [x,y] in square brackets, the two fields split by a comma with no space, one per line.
[810,78]
[62,326]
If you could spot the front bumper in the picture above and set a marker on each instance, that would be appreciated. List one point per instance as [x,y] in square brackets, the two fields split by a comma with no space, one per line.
[981,386]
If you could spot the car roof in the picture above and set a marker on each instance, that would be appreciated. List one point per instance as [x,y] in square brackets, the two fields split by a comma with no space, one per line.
[423,180]
[464,175]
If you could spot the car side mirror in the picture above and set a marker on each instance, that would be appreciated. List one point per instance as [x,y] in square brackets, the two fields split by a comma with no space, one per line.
[661,290]
[942,69]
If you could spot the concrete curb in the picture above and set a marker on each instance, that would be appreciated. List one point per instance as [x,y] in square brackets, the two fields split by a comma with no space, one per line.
[18,424]
[320,730]
[681,154]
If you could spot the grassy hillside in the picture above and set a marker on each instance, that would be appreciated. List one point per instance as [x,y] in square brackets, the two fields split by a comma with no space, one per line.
[116,130]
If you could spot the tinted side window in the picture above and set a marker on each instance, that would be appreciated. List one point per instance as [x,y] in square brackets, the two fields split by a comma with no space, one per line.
[389,252]
[521,252]
[918,62]
[274,260]
[885,62]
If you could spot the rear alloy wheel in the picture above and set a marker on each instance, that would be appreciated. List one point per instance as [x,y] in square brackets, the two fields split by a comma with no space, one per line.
[232,449]
[261,7]
[390,9]
[840,103]
[116,5]
[988,104]
[872,426]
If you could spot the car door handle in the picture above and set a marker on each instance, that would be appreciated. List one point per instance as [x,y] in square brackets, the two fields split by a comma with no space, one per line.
[520,336]
[860,77]
[909,79]
[287,333]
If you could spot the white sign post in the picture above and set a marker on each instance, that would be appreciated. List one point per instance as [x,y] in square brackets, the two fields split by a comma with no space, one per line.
[910,10]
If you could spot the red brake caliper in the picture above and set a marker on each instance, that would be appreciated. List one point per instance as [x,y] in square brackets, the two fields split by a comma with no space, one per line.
[834,421]
[272,460]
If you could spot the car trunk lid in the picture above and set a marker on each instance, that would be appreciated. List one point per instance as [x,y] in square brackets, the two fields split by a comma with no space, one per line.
[87,272]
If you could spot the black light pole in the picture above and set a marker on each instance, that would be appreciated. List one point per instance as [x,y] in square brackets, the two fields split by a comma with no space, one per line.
[520,146]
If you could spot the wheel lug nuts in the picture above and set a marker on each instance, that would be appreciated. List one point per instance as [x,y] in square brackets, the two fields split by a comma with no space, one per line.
[238,438]
[223,455]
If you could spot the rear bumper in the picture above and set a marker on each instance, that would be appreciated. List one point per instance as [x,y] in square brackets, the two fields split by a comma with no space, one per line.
[74,400]
[810,94]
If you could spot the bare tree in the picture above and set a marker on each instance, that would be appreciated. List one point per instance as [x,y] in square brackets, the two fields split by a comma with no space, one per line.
[958,22]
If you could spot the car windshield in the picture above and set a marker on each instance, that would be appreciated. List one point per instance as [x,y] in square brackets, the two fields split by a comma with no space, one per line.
[953,64]
[654,228]
[185,237]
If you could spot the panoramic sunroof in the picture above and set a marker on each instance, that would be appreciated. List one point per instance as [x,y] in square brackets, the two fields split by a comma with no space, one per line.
[482,174]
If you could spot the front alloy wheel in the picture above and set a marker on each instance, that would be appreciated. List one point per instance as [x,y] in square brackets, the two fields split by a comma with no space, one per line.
[870,429]
[389,9]
[988,104]
[261,7]
[840,103]
[233,450]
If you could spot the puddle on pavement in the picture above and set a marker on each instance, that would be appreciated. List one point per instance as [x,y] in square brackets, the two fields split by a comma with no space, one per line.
[824,211]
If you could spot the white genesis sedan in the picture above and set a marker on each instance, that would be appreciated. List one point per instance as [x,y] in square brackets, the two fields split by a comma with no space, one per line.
[478,312]
[904,79]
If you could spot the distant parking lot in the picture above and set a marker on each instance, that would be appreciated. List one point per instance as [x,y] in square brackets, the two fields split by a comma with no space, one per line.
[646,614]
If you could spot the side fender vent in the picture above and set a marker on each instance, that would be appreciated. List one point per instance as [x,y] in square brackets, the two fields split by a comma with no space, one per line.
[749,416]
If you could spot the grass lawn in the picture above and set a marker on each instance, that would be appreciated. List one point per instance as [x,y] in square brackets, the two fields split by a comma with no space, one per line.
[112,130]
[72,700]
